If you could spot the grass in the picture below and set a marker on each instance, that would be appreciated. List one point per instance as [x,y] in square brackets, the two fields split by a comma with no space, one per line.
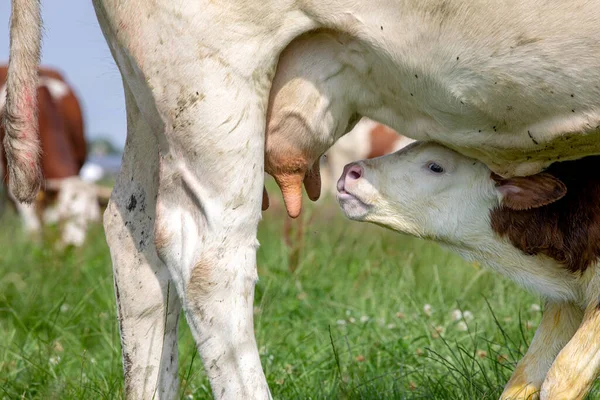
[344,311]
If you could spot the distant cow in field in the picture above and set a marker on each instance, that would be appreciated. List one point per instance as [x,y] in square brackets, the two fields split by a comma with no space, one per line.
[65,199]
[542,231]
[368,139]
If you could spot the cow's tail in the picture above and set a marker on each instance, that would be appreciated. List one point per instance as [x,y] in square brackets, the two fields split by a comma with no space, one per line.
[21,142]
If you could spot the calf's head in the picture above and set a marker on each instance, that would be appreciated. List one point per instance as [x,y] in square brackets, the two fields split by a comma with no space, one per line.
[430,191]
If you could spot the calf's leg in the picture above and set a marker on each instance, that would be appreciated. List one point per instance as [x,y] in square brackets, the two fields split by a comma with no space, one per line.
[578,364]
[559,323]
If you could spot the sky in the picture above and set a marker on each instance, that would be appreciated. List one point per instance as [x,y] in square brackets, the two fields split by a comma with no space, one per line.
[74,44]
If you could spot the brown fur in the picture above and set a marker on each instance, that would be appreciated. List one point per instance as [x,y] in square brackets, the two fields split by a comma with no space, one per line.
[567,230]
[523,193]
[383,140]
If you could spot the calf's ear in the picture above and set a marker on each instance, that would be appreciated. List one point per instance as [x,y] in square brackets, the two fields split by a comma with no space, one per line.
[524,193]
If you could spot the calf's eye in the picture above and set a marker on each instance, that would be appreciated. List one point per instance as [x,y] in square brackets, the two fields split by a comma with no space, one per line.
[435,168]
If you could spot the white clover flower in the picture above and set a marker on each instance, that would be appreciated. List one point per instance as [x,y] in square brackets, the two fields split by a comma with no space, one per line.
[456,315]
[340,322]
[468,316]
[391,326]
[54,360]
[352,320]
[428,310]
[364,319]
[462,326]
[535,308]
[64,307]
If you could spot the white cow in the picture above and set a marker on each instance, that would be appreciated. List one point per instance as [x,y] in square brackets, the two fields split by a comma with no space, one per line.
[542,231]
[514,84]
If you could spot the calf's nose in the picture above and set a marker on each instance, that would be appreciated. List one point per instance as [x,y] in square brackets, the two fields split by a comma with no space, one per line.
[352,172]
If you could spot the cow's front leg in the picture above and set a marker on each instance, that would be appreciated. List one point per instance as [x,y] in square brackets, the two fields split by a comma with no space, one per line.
[147,303]
[208,208]
[578,364]
[559,323]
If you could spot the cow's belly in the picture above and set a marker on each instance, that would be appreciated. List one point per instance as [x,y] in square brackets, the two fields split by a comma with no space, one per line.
[503,96]
[522,149]
[516,152]
[516,125]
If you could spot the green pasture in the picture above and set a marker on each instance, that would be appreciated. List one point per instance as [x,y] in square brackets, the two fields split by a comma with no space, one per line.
[343,310]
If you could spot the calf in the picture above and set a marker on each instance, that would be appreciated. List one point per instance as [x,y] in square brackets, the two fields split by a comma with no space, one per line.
[65,197]
[542,231]
[368,139]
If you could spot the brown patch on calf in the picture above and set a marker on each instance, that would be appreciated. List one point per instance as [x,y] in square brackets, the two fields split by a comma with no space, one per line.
[567,230]
[383,140]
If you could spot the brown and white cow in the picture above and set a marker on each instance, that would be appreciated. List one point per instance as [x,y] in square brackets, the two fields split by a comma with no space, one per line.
[542,231]
[65,198]
[511,83]
[368,139]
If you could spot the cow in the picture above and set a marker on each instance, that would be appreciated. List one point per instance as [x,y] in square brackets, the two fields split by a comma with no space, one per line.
[66,199]
[218,92]
[368,139]
[542,231]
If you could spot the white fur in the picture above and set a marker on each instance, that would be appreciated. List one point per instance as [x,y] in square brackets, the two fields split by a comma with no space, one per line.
[29,218]
[58,89]
[353,146]
[453,207]
[197,80]
[76,207]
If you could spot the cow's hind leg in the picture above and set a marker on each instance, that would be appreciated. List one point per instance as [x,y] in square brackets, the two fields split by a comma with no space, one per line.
[148,306]
[208,209]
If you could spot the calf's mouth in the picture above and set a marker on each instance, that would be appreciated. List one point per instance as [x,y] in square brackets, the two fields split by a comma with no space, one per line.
[348,196]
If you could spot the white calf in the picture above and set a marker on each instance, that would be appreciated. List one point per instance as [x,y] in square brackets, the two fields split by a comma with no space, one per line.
[542,231]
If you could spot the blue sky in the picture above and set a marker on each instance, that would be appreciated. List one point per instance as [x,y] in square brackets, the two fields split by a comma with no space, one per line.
[74,44]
